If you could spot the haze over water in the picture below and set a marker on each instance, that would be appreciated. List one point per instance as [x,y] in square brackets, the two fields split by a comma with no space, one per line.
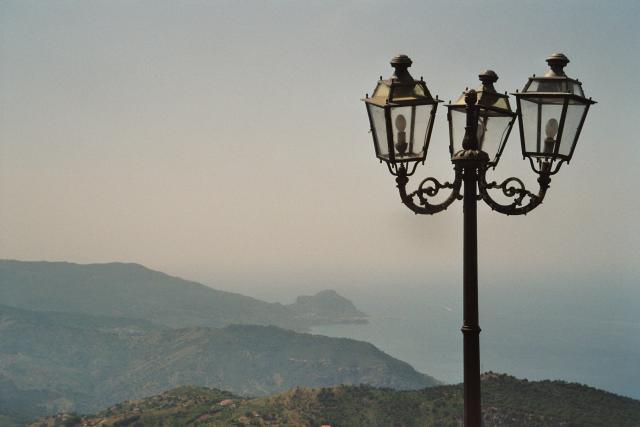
[543,334]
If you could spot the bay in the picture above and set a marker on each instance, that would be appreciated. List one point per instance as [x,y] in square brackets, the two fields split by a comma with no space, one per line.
[542,334]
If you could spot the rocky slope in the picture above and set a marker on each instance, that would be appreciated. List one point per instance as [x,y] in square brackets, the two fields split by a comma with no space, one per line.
[327,307]
[507,402]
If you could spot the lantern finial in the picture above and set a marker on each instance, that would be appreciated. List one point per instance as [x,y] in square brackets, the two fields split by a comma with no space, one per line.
[400,63]
[488,77]
[557,62]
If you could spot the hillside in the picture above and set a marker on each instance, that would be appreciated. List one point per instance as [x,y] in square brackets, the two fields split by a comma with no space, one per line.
[327,307]
[61,361]
[507,402]
[134,291]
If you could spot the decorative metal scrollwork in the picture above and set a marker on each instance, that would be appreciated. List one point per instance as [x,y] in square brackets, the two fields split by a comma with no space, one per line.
[428,188]
[431,187]
[513,188]
[510,190]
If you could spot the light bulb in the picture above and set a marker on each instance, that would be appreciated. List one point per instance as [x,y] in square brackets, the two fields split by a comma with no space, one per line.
[401,137]
[551,128]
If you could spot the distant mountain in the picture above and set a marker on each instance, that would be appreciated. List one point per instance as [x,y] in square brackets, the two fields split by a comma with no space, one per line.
[134,291]
[507,402]
[51,361]
[327,307]
[19,406]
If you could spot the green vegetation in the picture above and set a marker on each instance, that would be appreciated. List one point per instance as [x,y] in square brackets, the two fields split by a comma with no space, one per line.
[51,362]
[9,422]
[19,406]
[508,402]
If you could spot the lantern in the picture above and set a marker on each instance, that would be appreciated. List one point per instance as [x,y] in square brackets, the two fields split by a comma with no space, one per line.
[552,110]
[401,112]
[494,119]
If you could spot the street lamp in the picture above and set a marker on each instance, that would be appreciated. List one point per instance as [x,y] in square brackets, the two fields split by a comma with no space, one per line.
[550,110]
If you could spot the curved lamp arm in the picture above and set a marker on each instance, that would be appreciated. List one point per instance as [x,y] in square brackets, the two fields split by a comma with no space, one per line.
[429,187]
[513,188]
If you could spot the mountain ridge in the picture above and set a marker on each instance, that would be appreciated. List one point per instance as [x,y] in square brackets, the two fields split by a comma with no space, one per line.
[80,362]
[135,291]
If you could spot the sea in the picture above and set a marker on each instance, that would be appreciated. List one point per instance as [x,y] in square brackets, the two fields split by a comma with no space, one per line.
[585,333]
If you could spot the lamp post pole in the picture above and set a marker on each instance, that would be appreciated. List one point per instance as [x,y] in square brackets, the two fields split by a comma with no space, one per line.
[470,326]
[470,323]
[553,105]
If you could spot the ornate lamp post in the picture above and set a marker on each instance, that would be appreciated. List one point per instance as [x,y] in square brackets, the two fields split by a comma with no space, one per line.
[551,112]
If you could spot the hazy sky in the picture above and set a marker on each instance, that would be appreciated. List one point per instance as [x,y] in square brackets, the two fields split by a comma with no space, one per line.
[225,141]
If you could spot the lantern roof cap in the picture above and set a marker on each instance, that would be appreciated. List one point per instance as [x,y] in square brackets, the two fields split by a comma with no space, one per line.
[487,96]
[401,88]
[555,82]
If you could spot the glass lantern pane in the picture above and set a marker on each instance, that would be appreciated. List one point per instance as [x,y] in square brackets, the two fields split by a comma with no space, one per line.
[492,130]
[540,121]
[563,85]
[577,89]
[529,112]
[551,86]
[404,93]
[379,129]
[381,91]
[575,111]
[424,122]
[532,87]
[418,91]
[410,125]
[502,103]
[457,125]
